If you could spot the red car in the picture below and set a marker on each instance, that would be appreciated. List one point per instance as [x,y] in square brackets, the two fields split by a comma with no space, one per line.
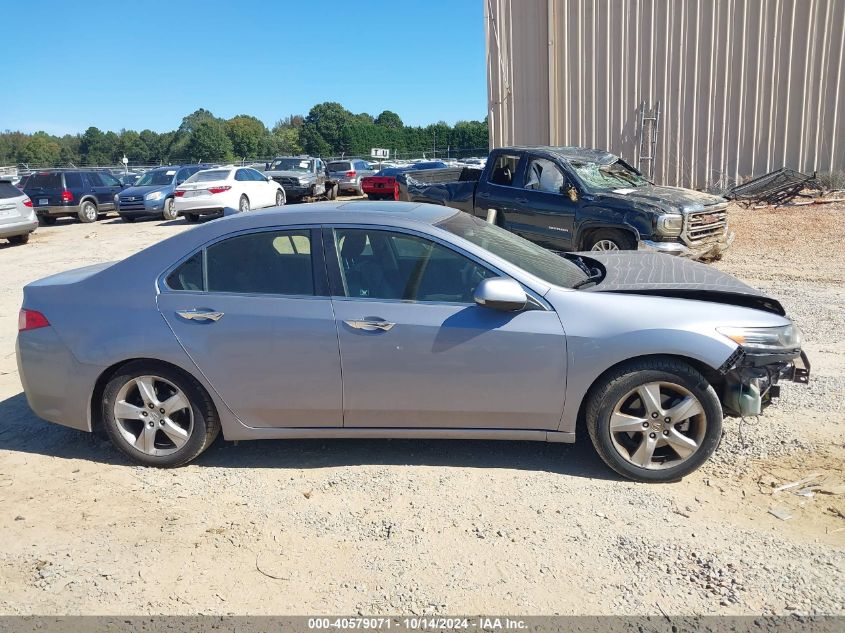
[383,185]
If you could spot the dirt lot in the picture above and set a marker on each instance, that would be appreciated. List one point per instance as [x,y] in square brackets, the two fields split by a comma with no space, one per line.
[434,526]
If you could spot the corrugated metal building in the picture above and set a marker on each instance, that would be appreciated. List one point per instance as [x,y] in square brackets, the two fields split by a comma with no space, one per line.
[745,86]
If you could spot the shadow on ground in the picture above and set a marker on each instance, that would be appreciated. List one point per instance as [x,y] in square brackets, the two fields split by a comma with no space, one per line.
[23,432]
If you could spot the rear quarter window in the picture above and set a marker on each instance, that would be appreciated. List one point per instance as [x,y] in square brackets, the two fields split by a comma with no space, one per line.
[73,181]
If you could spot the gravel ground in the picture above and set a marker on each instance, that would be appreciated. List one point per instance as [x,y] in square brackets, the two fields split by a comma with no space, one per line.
[435,526]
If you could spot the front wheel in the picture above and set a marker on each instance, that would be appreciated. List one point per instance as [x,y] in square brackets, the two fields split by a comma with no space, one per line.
[243,204]
[87,212]
[611,240]
[169,211]
[280,199]
[654,420]
[157,415]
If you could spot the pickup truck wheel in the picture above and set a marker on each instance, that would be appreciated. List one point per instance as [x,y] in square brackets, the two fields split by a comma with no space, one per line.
[654,420]
[87,212]
[611,240]
[169,211]
[47,220]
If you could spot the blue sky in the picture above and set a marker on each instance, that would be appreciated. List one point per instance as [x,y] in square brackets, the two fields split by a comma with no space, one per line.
[147,64]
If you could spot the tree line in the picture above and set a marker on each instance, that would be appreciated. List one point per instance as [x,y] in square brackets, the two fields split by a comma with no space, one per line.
[328,129]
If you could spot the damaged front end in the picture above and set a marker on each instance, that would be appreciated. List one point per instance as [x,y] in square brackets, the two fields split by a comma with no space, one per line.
[751,379]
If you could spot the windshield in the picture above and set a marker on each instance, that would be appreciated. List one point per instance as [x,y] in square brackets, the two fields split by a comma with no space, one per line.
[291,164]
[210,175]
[533,259]
[156,177]
[617,175]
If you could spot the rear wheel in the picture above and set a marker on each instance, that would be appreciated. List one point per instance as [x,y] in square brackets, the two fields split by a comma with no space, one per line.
[359,190]
[87,212]
[243,204]
[19,239]
[169,211]
[611,240]
[158,416]
[654,420]
[47,220]
[332,192]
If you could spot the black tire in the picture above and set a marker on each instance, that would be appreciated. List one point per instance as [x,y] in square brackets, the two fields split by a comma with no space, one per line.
[206,423]
[243,205]
[623,240]
[192,217]
[87,212]
[128,218]
[604,397]
[47,220]
[168,212]
[19,239]
[280,199]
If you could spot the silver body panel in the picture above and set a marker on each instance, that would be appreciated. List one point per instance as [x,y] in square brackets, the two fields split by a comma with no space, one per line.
[279,367]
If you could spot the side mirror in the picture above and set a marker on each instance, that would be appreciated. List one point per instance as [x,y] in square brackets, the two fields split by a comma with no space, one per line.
[500,293]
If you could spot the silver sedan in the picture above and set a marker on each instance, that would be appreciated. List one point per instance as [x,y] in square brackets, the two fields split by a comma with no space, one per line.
[400,320]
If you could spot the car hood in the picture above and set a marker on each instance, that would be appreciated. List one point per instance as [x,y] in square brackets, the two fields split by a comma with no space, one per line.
[666,198]
[668,276]
[288,174]
[142,191]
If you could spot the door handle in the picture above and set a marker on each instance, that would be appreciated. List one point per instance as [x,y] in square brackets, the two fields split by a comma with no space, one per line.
[200,315]
[370,325]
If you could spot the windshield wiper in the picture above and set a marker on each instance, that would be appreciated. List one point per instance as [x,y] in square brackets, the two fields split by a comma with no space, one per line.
[592,279]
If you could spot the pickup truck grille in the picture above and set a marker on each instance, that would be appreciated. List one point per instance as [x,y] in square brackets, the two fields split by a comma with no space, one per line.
[287,182]
[709,223]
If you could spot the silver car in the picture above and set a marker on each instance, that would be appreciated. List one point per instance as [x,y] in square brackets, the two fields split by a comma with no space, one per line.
[400,320]
[349,173]
[17,215]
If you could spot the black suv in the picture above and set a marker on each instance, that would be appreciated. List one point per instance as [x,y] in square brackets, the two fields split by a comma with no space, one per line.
[85,193]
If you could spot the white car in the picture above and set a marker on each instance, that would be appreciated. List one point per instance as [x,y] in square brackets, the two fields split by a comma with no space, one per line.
[17,216]
[236,189]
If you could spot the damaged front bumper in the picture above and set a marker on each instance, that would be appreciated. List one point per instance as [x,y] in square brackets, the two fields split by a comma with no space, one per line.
[706,249]
[751,380]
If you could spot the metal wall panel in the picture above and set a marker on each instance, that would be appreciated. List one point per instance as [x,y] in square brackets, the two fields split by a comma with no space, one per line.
[746,86]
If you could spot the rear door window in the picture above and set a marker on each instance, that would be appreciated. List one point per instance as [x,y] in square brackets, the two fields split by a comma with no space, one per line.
[504,170]
[94,179]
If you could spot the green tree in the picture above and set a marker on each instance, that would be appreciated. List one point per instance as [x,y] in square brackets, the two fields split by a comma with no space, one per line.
[390,120]
[41,149]
[131,145]
[322,130]
[247,135]
[209,142]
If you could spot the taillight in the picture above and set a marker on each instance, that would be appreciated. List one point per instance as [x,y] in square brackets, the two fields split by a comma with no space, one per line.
[31,320]
[178,193]
[219,189]
[67,196]
[27,203]
[351,174]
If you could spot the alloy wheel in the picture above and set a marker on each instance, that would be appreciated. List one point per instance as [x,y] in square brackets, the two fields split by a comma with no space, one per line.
[658,425]
[244,206]
[605,245]
[153,415]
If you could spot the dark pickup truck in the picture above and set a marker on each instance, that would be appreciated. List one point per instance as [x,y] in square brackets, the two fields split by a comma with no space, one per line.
[577,199]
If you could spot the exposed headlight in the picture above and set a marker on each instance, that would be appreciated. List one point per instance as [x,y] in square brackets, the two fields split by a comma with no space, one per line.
[764,339]
[155,195]
[670,224]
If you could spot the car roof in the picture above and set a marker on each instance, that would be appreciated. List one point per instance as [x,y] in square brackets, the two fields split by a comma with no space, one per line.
[600,156]
[358,212]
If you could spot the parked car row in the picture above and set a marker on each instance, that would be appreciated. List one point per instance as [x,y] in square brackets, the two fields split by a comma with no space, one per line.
[383,184]
[17,215]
